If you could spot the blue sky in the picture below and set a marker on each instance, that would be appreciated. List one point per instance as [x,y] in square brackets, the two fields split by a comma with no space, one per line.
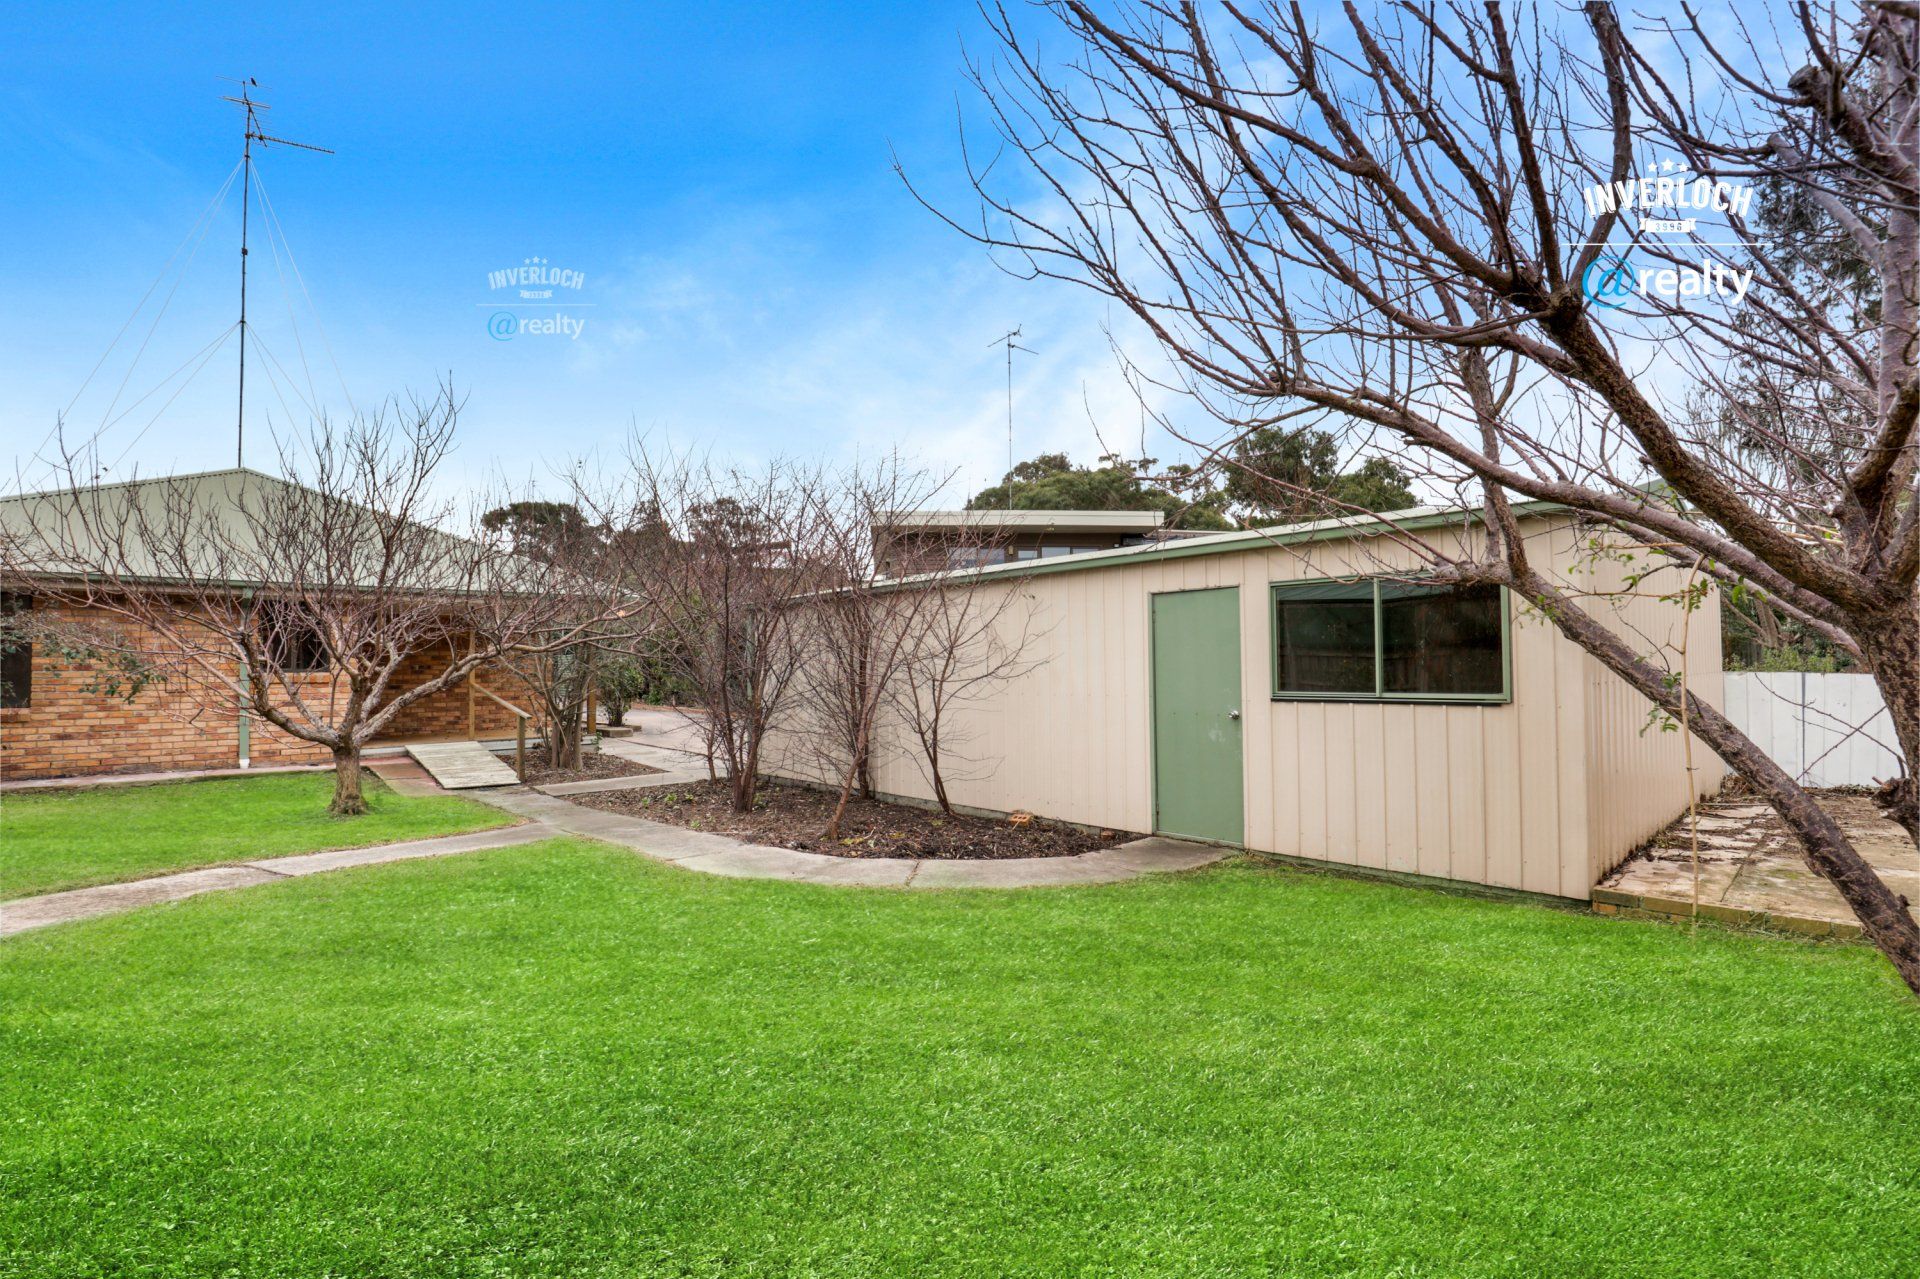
[756,277]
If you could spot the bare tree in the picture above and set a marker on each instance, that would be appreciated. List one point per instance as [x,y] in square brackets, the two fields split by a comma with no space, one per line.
[718,552]
[294,604]
[861,632]
[973,634]
[593,620]
[1463,240]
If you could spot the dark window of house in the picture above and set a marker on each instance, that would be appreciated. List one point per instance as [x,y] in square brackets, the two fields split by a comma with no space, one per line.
[1441,642]
[1389,640]
[1323,639]
[290,638]
[16,653]
[974,556]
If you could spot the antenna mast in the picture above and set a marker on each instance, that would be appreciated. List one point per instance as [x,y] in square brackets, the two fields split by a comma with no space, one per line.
[1007,340]
[254,133]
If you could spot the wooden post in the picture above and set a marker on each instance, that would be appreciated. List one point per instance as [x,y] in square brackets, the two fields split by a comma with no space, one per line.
[520,751]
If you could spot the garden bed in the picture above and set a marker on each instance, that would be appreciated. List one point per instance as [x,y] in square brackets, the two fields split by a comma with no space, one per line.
[594,765]
[788,816]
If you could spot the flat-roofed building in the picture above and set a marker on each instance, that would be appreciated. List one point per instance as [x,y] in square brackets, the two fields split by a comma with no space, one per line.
[926,541]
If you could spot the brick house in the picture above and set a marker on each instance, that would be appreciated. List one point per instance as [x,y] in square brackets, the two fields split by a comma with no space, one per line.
[60,715]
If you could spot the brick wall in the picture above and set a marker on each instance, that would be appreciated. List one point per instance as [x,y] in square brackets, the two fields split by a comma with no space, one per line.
[73,729]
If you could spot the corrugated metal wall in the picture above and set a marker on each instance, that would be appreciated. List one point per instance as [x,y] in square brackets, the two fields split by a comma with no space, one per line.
[1637,766]
[1499,795]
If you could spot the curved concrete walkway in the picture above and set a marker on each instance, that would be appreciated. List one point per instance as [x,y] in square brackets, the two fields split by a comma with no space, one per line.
[546,817]
[723,855]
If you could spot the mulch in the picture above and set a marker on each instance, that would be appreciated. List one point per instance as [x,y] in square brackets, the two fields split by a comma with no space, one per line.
[794,817]
[594,765]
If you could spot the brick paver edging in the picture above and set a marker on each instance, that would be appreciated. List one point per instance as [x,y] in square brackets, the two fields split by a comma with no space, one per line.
[1608,901]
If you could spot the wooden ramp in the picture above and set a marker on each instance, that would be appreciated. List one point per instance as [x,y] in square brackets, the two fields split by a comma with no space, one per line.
[462,765]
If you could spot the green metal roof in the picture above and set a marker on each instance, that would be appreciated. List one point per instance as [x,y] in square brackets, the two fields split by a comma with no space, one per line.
[1414,520]
[56,533]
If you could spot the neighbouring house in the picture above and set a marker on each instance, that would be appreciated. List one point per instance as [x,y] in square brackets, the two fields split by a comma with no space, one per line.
[1297,691]
[907,542]
[60,717]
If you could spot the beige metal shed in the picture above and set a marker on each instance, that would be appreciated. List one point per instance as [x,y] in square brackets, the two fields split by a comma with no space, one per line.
[1170,685]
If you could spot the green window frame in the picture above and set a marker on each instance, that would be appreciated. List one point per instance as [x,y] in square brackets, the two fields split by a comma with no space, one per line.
[1368,590]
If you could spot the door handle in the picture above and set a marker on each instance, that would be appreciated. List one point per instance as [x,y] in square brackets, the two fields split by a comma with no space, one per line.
[1233,714]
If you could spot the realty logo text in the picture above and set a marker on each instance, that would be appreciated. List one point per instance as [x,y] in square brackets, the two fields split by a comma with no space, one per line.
[1614,281]
[536,278]
[1662,199]
[533,284]
[1665,201]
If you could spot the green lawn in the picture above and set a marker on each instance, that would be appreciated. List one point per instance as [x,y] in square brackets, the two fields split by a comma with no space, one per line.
[51,840]
[562,1060]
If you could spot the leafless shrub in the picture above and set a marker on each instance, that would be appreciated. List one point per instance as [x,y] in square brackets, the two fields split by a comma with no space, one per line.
[716,552]
[974,635]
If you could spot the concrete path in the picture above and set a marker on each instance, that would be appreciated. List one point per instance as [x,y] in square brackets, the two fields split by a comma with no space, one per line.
[723,855]
[676,767]
[107,899]
[462,765]
[662,727]
[547,816]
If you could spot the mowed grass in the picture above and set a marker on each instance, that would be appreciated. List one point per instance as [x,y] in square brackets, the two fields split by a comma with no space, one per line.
[55,839]
[562,1060]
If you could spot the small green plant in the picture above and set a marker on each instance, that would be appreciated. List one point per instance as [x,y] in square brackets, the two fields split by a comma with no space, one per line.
[1790,657]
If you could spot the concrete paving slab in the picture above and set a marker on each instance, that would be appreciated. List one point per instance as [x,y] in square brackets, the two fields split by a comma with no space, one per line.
[1752,868]
[595,785]
[660,727]
[1158,853]
[657,754]
[758,861]
[1017,872]
[656,839]
[341,858]
[1674,879]
[108,899]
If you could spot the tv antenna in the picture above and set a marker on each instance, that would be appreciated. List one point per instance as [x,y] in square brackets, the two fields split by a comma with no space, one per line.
[1007,340]
[255,132]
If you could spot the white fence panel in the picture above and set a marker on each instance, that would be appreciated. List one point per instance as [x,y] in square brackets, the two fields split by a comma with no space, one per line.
[1826,730]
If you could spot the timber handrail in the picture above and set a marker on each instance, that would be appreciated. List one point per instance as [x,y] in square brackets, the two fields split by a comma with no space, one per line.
[478,687]
[520,716]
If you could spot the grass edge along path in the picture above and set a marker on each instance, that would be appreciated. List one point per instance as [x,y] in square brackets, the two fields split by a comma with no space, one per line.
[52,840]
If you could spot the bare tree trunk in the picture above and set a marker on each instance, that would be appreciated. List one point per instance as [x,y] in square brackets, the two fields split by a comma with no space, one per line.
[348,801]
[564,740]
[1894,659]
[939,778]
[854,775]
[746,778]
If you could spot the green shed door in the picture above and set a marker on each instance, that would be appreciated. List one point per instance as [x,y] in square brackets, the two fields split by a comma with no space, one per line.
[1198,789]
